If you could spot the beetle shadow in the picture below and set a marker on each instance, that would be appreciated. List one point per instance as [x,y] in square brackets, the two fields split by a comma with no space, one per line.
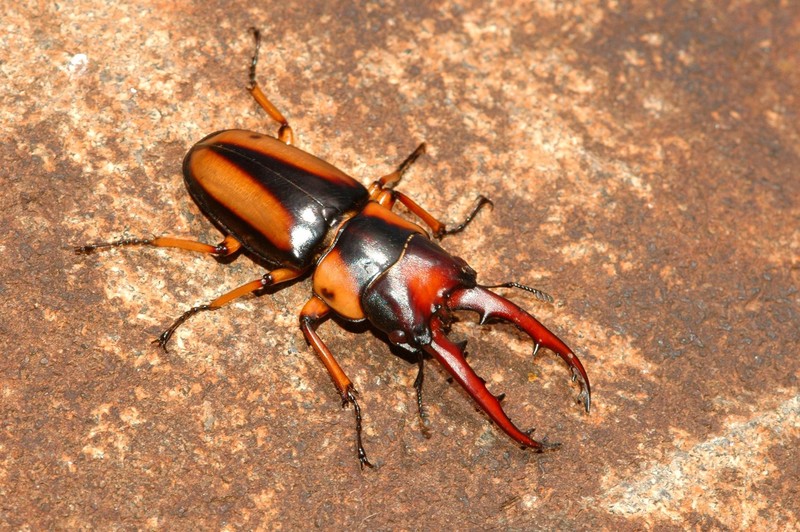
[361,327]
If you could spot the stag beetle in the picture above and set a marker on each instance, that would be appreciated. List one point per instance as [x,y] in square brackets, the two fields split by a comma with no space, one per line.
[299,214]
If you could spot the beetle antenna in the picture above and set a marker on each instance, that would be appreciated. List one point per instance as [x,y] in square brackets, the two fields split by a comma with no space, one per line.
[539,294]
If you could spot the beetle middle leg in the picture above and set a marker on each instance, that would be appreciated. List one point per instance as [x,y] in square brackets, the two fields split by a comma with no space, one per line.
[272,278]
[388,198]
[227,247]
[315,312]
[382,191]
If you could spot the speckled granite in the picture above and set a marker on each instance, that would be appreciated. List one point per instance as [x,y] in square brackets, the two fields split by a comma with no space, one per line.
[643,164]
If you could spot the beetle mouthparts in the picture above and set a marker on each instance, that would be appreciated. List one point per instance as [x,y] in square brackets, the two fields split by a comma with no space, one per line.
[492,306]
[451,356]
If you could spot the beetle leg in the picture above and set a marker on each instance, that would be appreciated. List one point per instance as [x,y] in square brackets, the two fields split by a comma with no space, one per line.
[388,197]
[285,133]
[423,416]
[227,247]
[382,191]
[315,312]
[268,279]
[440,228]
[390,180]
[492,306]
[452,358]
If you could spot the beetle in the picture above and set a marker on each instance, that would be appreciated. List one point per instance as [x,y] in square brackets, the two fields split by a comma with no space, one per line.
[300,215]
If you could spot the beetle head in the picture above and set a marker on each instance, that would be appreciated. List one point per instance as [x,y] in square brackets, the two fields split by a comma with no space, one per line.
[413,300]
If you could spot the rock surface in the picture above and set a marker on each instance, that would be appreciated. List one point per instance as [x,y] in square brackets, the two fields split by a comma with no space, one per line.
[643,163]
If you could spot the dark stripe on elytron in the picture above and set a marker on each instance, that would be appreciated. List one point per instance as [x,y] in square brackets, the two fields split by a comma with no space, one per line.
[232,224]
[290,184]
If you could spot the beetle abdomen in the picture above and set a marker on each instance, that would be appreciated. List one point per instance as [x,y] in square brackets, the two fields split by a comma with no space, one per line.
[278,201]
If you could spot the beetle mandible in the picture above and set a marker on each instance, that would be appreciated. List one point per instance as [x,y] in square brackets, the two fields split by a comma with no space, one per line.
[299,214]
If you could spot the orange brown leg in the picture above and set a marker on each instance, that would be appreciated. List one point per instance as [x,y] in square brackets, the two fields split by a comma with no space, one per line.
[382,191]
[390,180]
[285,133]
[315,312]
[227,247]
[272,278]
[439,228]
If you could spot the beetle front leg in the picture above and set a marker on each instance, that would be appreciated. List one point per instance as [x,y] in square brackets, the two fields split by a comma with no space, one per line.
[315,312]
[423,416]
[272,278]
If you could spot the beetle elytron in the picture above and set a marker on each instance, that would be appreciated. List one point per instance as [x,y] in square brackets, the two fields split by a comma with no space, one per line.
[299,214]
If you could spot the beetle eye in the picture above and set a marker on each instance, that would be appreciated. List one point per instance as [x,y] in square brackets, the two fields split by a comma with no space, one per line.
[397,337]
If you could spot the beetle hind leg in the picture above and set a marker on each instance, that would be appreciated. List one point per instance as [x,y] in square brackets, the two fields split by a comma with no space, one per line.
[285,133]
[226,248]
[268,279]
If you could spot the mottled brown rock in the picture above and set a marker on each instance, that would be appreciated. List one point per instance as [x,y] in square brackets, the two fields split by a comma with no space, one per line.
[643,163]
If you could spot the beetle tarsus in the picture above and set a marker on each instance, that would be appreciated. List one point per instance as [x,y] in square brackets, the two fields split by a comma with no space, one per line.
[549,445]
[91,248]
[165,336]
[350,397]
[254,61]
[389,181]
[423,415]
[285,133]
[480,201]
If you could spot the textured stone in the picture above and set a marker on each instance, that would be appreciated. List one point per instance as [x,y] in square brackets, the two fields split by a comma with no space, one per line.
[642,158]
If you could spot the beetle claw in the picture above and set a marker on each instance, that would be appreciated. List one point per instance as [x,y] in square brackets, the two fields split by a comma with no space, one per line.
[161,341]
